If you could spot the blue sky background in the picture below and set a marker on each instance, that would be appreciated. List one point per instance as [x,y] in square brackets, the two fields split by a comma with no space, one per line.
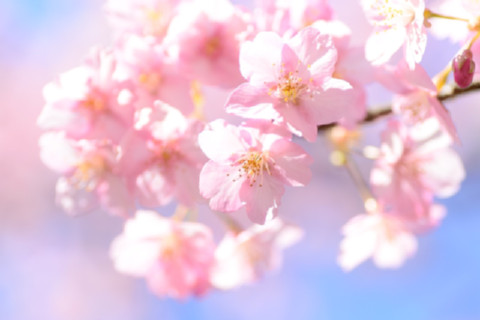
[55,267]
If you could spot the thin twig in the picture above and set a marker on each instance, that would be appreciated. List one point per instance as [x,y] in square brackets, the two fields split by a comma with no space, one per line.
[385,111]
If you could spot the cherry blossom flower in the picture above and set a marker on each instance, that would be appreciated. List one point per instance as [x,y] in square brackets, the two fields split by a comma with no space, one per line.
[175,257]
[90,176]
[416,96]
[291,82]
[88,102]
[141,17]
[161,156]
[396,23]
[249,167]
[245,257]
[288,17]
[205,37]
[416,164]
[154,74]
[382,237]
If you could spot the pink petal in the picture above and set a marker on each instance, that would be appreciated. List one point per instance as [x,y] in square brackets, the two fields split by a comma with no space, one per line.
[221,184]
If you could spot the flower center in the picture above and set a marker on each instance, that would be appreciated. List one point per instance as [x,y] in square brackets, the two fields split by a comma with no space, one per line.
[253,164]
[391,14]
[95,101]
[417,109]
[87,173]
[290,88]
[212,46]
[151,81]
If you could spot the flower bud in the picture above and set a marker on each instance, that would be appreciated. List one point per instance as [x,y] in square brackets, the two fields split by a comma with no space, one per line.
[463,68]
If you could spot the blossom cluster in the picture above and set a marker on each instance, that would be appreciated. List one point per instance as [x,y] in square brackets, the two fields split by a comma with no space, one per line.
[127,132]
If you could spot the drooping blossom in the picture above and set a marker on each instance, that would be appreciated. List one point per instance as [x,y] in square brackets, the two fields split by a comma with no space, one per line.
[249,167]
[90,175]
[379,236]
[396,23]
[141,17]
[247,256]
[414,165]
[161,156]
[88,101]
[291,83]
[416,96]
[205,37]
[174,257]
[154,74]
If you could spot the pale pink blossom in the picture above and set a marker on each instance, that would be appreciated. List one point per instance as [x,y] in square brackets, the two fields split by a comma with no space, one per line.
[142,17]
[249,167]
[291,83]
[88,101]
[396,23]
[456,30]
[416,164]
[416,96]
[379,236]
[205,37]
[161,156]
[90,177]
[154,74]
[245,257]
[351,66]
[175,257]
[288,17]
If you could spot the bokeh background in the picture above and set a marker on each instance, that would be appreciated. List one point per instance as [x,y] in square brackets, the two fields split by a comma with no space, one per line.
[53,267]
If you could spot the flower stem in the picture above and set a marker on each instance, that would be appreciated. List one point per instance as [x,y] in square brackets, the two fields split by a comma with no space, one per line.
[429,14]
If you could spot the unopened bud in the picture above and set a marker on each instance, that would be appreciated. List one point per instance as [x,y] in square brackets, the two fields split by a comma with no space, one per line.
[463,68]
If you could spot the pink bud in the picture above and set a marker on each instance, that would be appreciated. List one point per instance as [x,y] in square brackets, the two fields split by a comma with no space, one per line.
[463,68]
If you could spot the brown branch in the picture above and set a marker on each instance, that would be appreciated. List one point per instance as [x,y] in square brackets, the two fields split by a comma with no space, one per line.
[386,110]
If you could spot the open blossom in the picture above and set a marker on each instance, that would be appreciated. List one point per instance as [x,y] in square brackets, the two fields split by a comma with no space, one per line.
[174,257]
[396,23]
[161,156]
[416,97]
[379,236]
[414,165]
[155,75]
[249,167]
[141,17]
[351,66]
[88,101]
[245,257]
[291,82]
[90,176]
[205,36]
[289,17]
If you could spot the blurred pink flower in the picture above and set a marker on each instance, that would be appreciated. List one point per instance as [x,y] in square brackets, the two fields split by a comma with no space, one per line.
[416,96]
[88,102]
[205,37]
[381,236]
[396,23]
[245,257]
[141,17]
[291,82]
[155,75]
[416,164]
[161,156]
[175,257]
[249,167]
[90,175]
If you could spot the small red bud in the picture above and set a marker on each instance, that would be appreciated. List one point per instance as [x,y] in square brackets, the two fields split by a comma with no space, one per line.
[463,68]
